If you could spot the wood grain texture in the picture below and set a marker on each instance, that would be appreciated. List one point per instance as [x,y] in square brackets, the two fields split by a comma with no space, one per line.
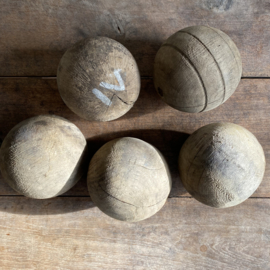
[70,233]
[197,69]
[43,156]
[150,120]
[221,164]
[98,79]
[129,179]
[37,33]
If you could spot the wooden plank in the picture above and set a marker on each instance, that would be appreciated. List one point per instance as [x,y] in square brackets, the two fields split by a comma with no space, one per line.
[150,119]
[35,34]
[70,233]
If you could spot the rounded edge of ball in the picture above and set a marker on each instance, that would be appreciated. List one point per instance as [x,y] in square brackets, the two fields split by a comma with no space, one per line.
[83,161]
[161,203]
[95,117]
[181,153]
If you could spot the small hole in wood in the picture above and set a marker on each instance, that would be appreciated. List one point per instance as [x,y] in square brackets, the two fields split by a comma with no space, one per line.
[160,91]
[119,30]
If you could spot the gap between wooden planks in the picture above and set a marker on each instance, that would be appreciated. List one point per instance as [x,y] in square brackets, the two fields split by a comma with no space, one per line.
[150,119]
[36,34]
[71,233]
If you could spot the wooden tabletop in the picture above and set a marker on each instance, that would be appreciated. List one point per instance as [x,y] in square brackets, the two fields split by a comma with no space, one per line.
[69,232]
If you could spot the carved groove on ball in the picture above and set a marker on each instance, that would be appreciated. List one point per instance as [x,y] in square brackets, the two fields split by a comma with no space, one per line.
[197,69]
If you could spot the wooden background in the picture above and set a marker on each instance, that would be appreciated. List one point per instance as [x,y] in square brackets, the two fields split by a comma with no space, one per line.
[69,232]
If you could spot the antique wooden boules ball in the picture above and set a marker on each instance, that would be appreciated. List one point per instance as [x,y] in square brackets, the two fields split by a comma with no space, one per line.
[98,79]
[43,156]
[128,179]
[197,69]
[221,164]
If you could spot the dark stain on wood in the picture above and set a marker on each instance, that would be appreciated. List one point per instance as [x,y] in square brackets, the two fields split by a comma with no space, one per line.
[41,123]
[220,5]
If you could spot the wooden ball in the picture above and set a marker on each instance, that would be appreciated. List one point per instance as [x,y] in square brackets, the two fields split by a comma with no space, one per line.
[128,179]
[98,79]
[197,69]
[221,164]
[43,157]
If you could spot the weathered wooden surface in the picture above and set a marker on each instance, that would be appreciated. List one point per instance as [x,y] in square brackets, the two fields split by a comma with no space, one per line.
[221,164]
[128,179]
[70,233]
[197,69]
[43,156]
[35,34]
[150,120]
[98,79]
